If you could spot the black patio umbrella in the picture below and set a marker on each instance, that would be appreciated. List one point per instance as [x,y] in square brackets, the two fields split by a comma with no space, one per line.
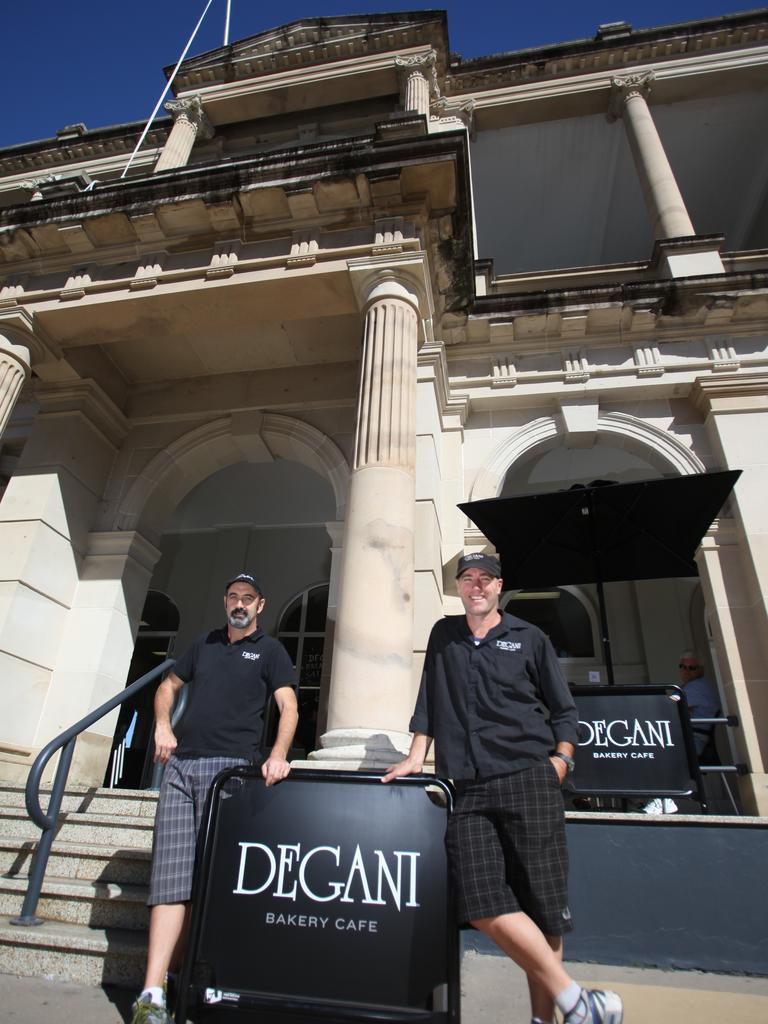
[603,532]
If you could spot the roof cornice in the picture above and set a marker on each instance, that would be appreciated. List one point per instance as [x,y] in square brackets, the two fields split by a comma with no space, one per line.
[315,41]
[610,54]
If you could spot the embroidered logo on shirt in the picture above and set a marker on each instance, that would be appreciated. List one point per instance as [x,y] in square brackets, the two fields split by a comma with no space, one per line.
[509,645]
[251,655]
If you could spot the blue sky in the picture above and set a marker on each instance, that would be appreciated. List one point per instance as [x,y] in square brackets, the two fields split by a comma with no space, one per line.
[101,61]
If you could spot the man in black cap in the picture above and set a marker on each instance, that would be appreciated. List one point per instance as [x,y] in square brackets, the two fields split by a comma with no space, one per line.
[231,673]
[505,728]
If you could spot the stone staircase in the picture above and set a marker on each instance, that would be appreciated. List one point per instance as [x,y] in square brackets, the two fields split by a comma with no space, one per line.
[93,898]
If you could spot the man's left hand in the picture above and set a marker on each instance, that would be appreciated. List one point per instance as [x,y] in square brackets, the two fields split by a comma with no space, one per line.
[275,769]
[560,767]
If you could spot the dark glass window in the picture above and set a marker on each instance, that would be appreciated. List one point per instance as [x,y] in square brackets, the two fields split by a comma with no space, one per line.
[302,630]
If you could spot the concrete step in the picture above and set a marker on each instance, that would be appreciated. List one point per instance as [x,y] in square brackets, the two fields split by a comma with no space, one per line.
[103,863]
[110,829]
[133,802]
[76,901]
[73,952]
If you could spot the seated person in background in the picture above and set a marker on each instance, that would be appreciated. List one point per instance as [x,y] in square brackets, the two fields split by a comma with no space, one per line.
[700,697]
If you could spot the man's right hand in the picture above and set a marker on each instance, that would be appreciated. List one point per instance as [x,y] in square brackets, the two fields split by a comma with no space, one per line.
[165,743]
[406,767]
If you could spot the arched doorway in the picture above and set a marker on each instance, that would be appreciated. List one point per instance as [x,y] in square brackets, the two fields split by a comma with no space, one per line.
[648,621]
[269,518]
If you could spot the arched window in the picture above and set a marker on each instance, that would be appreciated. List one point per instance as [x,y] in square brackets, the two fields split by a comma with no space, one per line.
[560,614]
[301,629]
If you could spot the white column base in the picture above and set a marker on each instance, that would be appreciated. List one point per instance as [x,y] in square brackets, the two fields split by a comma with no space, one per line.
[355,750]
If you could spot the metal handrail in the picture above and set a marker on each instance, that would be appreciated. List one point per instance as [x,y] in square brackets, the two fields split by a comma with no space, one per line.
[47,821]
[738,768]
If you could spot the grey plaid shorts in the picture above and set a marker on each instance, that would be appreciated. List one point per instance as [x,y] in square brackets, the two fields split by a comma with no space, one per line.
[506,848]
[185,786]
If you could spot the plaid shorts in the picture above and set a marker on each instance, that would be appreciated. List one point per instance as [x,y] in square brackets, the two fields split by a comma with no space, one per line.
[506,848]
[185,786]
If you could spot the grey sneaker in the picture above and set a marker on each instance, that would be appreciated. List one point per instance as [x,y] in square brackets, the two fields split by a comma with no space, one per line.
[146,1012]
[603,1007]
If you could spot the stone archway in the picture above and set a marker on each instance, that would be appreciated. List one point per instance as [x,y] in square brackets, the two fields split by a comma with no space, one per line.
[241,437]
[659,447]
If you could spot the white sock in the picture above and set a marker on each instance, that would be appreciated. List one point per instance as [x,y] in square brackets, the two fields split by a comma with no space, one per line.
[568,1000]
[156,994]
[538,1020]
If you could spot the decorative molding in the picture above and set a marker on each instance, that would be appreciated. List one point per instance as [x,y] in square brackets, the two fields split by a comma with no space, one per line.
[453,407]
[126,544]
[731,393]
[87,398]
[503,372]
[647,359]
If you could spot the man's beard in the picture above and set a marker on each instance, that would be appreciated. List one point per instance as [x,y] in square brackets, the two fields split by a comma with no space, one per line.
[240,619]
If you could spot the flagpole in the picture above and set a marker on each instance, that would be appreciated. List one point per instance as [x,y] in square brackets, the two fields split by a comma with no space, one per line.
[226,23]
[168,85]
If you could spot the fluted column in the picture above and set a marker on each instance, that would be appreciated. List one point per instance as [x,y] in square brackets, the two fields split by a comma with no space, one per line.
[15,362]
[189,124]
[416,81]
[371,691]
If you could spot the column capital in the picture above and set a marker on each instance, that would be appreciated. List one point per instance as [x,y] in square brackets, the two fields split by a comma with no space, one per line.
[15,369]
[397,276]
[455,113]
[625,86]
[417,75]
[11,352]
[423,62]
[190,109]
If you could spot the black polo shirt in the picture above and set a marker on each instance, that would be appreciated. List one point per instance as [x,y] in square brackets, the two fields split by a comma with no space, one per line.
[229,684]
[496,707]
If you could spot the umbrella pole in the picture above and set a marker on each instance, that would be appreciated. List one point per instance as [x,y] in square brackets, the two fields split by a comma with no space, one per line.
[606,640]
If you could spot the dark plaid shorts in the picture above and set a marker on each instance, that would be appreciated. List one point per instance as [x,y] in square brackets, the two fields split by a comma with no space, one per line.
[185,786]
[506,847]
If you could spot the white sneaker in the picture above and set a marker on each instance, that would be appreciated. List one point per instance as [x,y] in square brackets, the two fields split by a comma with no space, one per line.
[603,1007]
[660,805]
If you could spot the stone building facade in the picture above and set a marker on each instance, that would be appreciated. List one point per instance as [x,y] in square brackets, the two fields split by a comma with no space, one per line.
[350,281]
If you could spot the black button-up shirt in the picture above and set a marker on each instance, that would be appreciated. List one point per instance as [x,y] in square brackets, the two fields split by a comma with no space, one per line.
[495,707]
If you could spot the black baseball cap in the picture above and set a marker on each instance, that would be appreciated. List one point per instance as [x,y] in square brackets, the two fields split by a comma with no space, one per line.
[478,560]
[245,577]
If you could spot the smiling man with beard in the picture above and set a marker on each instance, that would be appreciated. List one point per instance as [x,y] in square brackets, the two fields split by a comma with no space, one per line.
[231,672]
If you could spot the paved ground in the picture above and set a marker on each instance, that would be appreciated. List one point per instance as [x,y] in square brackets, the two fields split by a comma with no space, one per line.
[493,992]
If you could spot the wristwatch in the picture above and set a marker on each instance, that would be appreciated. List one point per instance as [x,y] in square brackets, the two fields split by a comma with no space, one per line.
[569,762]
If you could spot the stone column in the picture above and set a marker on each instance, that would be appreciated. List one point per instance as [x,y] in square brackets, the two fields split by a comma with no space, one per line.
[371,692]
[46,550]
[669,217]
[189,124]
[417,76]
[733,566]
[96,646]
[15,363]
[663,199]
